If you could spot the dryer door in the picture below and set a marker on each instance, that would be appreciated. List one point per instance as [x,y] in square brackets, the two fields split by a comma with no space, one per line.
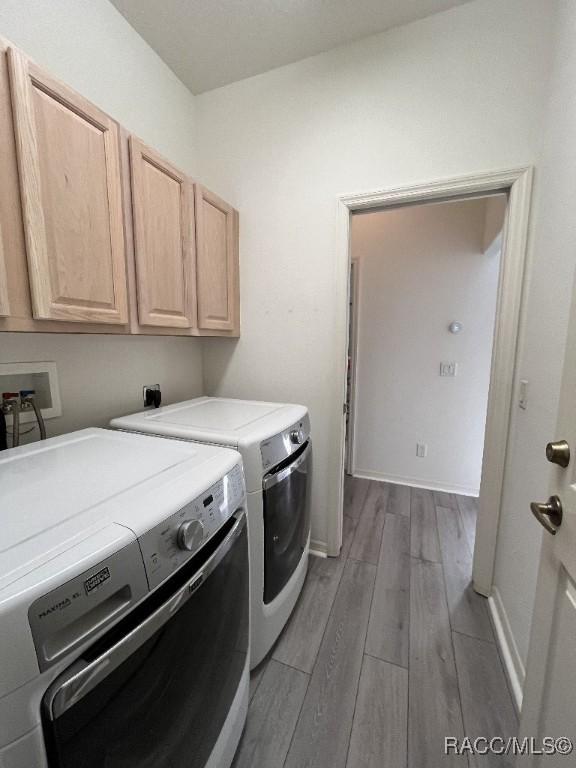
[286,492]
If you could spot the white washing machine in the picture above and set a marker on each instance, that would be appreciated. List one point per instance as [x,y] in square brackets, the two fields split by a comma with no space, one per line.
[124,603]
[274,441]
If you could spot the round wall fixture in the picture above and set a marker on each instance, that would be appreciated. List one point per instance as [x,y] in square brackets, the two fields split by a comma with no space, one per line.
[455,326]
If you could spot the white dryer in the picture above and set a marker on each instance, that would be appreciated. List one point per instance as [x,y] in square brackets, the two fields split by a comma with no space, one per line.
[276,448]
[124,603]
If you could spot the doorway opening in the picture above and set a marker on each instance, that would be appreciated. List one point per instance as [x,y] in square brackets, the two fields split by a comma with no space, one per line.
[423,293]
[434,295]
[516,183]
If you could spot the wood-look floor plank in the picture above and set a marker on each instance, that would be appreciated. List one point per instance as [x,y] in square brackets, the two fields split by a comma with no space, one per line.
[468,610]
[398,500]
[434,710]
[387,636]
[272,718]
[349,525]
[366,543]
[323,730]
[443,499]
[300,640]
[357,701]
[486,702]
[468,506]
[423,534]
[379,729]
[256,677]
[355,492]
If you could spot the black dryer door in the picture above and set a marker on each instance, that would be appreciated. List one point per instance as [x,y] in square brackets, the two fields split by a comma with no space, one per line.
[286,492]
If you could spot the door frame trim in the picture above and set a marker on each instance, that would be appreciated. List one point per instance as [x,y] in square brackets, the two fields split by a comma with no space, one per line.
[352,352]
[517,183]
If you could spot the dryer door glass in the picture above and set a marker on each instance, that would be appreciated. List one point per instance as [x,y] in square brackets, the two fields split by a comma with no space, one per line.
[286,519]
[163,703]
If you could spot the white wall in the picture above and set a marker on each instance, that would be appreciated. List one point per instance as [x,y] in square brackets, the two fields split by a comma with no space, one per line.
[452,94]
[102,376]
[420,268]
[553,257]
[89,45]
[493,229]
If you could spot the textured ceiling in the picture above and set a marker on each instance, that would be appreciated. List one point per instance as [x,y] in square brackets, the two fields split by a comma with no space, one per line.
[209,43]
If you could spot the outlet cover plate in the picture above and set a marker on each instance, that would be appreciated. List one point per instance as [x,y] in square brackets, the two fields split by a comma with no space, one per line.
[448,369]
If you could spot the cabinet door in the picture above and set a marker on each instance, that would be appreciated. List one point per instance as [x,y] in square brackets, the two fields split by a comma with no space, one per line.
[216,263]
[68,159]
[163,206]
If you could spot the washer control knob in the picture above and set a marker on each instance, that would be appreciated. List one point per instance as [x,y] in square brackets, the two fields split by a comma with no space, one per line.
[297,436]
[190,534]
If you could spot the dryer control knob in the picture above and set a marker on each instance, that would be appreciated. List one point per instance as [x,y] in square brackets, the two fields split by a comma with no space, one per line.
[297,436]
[190,534]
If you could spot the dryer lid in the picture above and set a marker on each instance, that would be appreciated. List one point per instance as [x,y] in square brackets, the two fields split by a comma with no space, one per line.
[215,413]
[225,421]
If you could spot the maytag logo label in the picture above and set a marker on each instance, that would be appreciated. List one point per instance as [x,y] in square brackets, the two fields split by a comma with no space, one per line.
[94,581]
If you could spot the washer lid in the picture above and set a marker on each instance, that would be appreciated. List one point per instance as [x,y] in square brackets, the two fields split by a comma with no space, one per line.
[57,492]
[214,419]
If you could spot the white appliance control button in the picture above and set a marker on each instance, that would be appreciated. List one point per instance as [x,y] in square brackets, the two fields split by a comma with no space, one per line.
[190,534]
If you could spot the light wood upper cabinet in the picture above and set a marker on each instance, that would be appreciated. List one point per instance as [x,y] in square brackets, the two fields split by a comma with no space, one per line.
[216,263]
[164,248]
[68,160]
[98,233]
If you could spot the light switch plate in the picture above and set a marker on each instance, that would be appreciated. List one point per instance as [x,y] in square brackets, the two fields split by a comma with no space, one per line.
[448,369]
[523,399]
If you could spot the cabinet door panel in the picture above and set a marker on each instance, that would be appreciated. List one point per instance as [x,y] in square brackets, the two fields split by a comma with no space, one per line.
[164,240]
[217,263]
[68,158]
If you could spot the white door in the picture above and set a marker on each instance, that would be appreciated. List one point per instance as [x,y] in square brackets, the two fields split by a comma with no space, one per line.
[549,704]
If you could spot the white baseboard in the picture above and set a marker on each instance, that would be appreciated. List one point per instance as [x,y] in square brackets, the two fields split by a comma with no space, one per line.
[415,482]
[513,664]
[318,548]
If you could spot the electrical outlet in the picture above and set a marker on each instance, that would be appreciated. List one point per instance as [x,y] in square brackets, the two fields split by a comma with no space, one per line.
[152,395]
[421,450]
[448,369]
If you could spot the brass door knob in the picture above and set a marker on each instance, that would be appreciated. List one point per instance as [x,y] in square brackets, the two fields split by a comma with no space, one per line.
[558,453]
[549,515]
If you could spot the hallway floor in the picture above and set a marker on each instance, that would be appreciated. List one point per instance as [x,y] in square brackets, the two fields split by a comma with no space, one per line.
[388,649]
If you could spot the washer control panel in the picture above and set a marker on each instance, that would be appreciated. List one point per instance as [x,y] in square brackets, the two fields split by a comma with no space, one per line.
[280,446]
[190,535]
[169,545]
